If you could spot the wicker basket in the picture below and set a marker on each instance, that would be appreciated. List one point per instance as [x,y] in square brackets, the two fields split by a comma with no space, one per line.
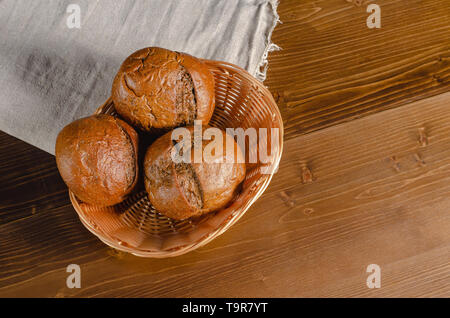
[134,226]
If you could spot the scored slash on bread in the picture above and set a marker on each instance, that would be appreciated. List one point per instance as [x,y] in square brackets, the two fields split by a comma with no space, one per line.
[157,88]
[186,189]
[190,187]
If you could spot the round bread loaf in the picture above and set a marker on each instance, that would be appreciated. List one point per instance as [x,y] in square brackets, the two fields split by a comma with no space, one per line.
[181,190]
[97,158]
[157,88]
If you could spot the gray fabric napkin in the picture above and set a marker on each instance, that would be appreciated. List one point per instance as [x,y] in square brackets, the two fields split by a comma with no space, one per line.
[51,74]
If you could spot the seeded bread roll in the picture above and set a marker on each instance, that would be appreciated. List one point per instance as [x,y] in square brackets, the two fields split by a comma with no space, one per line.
[157,88]
[183,190]
[97,158]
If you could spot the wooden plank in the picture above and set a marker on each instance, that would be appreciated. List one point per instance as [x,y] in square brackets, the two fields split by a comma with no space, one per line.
[332,68]
[374,190]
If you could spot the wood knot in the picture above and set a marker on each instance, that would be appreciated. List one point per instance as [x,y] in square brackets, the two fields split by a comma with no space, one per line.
[287,200]
[395,163]
[419,160]
[260,277]
[438,79]
[116,253]
[308,211]
[279,99]
[423,137]
[60,295]
[306,173]
[276,97]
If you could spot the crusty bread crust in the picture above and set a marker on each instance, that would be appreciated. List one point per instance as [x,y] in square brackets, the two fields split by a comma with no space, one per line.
[157,88]
[184,190]
[97,158]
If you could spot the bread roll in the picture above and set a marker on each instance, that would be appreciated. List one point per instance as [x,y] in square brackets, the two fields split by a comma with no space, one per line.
[97,159]
[159,89]
[183,190]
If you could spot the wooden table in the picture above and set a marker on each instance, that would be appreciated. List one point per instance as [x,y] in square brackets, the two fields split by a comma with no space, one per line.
[364,179]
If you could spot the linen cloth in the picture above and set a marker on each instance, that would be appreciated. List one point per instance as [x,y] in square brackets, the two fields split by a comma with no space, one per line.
[51,75]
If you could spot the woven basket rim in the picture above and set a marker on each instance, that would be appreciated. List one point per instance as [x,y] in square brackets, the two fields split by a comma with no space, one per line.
[225,225]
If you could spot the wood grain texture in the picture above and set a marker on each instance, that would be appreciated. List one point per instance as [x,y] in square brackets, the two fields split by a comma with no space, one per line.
[365,178]
[334,68]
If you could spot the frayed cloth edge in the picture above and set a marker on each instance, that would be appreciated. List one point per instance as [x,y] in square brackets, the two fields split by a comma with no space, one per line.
[263,64]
